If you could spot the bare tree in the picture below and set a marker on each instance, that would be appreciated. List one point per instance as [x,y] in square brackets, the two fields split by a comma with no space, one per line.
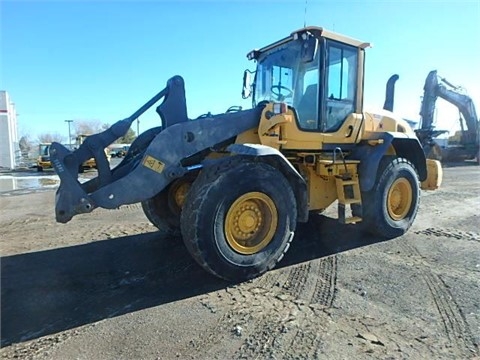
[88,127]
[50,137]
[25,146]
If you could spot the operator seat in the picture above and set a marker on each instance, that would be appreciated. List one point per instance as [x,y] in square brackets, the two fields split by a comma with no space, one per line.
[307,108]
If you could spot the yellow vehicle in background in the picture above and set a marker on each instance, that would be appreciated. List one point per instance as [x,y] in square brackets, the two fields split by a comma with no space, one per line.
[43,159]
[90,163]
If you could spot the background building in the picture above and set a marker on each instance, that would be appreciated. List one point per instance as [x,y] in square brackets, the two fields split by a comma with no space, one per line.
[8,132]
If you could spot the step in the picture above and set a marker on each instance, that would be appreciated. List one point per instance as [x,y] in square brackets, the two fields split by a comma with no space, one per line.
[350,201]
[348,182]
[353,219]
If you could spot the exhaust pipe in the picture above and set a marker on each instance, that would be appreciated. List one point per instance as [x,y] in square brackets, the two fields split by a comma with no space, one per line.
[390,93]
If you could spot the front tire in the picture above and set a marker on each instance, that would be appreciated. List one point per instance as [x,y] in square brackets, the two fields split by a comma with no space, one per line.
[239,219]
[164,209]
[390,208]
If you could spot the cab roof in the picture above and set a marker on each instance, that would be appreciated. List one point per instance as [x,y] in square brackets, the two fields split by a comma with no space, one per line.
[316,31]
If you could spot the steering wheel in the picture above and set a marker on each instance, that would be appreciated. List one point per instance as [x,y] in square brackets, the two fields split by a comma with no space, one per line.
[277,91]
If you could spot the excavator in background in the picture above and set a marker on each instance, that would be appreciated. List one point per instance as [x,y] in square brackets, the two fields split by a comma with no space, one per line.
[464,144]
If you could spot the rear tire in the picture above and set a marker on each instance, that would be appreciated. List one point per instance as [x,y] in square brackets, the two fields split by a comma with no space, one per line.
[390,208]
[164,209]
[239,219]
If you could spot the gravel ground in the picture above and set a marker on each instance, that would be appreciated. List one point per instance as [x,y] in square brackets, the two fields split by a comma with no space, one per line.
[106,286]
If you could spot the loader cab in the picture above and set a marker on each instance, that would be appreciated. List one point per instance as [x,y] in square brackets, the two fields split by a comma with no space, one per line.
[317,73]
[44,149]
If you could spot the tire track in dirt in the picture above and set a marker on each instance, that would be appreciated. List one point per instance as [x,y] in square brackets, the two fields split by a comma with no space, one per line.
[450,233]
[22,221]
[454,322]
[131,207]
[321,296]
[298,288]
[271,314]
[325,287]
[417,260]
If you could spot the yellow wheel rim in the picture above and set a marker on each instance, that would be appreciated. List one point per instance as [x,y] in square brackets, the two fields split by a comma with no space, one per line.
[399,200]
[180,193]
[251,223]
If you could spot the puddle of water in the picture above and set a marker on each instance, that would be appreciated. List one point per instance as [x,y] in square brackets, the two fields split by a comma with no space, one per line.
[12,182]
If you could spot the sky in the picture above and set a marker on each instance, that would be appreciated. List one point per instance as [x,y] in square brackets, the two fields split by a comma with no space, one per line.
[102,60]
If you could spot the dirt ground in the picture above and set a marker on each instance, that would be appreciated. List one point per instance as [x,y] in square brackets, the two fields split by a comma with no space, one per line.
[105,286]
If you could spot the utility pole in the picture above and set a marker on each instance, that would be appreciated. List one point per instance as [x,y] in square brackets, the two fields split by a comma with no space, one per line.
[138,127]
[69,134]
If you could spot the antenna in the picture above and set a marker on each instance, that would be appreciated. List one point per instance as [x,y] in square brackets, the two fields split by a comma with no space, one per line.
[305,14]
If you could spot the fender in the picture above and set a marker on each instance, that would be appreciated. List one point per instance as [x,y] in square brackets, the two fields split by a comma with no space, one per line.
[370,155]
[278,160]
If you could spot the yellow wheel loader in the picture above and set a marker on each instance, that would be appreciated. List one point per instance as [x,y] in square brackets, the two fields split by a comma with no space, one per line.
[89,163]
[43,159]
[235,185]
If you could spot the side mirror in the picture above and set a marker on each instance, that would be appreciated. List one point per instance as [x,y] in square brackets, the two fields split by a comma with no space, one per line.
[247,84]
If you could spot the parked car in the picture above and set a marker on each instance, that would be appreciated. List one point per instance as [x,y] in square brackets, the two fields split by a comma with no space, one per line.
[119,152]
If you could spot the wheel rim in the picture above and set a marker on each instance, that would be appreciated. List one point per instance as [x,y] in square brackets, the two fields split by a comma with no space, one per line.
[251,223]
[180,193]
[399,199]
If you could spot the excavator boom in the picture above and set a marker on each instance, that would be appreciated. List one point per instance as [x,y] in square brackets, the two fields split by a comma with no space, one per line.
[436,87]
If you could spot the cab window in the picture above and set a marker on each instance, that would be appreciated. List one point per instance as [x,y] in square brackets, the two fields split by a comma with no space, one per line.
[341,88]
[307,103]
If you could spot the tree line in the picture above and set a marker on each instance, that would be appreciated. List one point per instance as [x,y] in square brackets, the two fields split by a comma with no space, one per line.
[80,127]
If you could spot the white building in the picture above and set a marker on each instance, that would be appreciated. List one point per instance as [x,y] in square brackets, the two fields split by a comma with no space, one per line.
[8,132]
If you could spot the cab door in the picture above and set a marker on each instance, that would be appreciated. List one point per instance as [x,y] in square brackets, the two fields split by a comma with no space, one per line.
[328,110]
[340,122]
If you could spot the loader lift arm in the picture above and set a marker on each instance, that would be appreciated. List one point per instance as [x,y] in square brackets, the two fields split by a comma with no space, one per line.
[155,158]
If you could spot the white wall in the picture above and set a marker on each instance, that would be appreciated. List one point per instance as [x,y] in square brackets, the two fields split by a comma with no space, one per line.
[8,132]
